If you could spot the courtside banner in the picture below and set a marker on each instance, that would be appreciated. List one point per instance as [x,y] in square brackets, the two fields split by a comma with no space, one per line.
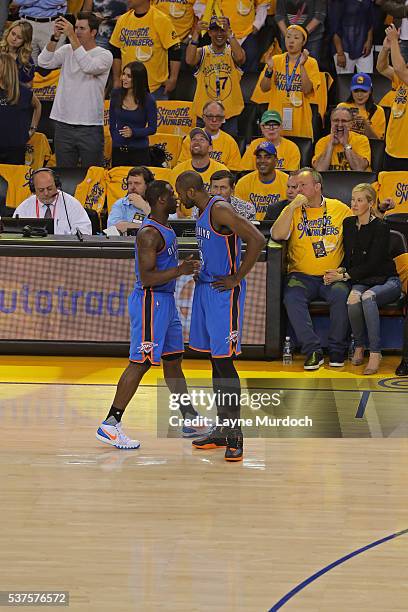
[85,300]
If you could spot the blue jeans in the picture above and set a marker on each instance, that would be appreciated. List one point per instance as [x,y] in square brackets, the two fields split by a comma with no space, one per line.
[160,94]
[300,290]
[363,313]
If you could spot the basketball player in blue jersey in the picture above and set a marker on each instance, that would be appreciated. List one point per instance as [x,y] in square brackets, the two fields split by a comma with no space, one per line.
[218,303]
[156,331]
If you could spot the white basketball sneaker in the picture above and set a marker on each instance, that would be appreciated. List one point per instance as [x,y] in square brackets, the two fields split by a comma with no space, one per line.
[114,435]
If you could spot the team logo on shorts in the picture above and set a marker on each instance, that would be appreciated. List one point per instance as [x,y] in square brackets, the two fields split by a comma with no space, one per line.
[233,337]
[147,347]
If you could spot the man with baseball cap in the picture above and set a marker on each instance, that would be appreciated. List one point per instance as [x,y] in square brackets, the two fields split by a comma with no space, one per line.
[288,154]
[201,162]
[265,185]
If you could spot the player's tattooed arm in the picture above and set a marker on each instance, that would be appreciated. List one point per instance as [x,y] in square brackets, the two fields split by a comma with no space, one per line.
[149,243]
[225,216]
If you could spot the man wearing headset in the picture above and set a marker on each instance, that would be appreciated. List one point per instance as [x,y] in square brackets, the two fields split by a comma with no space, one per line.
[50,202]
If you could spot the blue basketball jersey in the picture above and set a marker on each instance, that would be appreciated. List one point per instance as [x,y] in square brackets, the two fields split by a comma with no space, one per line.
[220,254]
[166,258]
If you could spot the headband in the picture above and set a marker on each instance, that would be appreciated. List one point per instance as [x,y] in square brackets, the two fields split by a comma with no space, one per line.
[295,26]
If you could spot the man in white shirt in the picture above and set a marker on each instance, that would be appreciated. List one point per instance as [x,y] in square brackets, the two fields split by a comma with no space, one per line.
[79,101]
[49,202]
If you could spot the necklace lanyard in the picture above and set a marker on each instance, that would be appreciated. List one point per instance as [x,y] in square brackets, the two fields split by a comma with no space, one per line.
[37,207]
[306,222]
[290,78]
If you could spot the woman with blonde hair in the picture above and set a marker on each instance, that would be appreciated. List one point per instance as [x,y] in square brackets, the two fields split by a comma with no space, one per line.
[20,112]
[370,268]
[16,41]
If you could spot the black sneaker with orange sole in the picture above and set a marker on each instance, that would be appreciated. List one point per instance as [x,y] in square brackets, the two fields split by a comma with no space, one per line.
[235,447]
[216,438]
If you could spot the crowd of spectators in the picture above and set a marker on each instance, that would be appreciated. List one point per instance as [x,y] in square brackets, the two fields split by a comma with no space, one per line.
[115,68]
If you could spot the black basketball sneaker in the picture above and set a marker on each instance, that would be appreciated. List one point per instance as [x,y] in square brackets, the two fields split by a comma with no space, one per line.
[216,438]
[235,446]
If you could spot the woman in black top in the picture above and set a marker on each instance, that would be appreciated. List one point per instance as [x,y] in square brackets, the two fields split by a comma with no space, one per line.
[369,266]
[132,118]
[20,112]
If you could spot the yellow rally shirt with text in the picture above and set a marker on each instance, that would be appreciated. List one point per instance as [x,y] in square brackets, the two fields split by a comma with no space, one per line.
[250,189]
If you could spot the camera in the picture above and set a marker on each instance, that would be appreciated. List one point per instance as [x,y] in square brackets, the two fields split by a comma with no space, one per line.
[69,17]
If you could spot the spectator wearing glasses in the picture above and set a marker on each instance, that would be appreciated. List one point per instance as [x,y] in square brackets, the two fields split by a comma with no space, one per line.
[224,148]
[222,184]
[218,70]
[342,149]
[351,26]
[368,117]
[288,154]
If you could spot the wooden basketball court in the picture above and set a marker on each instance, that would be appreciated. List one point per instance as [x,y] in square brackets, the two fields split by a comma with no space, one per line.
[169,528]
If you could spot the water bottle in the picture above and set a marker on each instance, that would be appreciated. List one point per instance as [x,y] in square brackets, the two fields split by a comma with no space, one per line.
[352,348]
[287,353]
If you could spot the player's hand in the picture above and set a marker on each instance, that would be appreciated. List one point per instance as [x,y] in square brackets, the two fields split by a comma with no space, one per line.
[189,266]
[225,283]
[298,201]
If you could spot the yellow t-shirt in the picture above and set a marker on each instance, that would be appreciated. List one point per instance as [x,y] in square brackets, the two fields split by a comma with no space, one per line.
[288,157]
[218,78]
[241,14]
[117,182]
[319,96]
[250,189]
[181,14]
[45,87]
[206,176]
[377,121]
[295,100]
[17,178]
[91,192]
[225,150]
[146,39]
[387,98]
[301,255]
[360,144]
[393,185]
[174,117]
[171,145]
[396,140]
[38,151]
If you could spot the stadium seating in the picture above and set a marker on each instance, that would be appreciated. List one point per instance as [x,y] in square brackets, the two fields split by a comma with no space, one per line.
[305,146]
[398,222]
[377,154]
[340,184]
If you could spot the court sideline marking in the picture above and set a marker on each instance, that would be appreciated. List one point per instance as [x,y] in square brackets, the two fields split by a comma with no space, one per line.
[331,566]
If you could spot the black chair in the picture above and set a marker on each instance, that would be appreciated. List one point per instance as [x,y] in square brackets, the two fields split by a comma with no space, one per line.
[398,222]
[185,88]
[305,146]
[46,125]
[248,82]
[339,185]
[70,178]
[3,191]
[317,123]
[377,154]
[381,86]
[247,122]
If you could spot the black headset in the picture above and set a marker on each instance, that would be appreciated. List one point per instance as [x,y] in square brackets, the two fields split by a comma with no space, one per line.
[58,185]
[55,176]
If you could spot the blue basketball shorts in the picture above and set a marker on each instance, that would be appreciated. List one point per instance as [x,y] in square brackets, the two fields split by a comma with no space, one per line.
[217,319]
[155,327]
